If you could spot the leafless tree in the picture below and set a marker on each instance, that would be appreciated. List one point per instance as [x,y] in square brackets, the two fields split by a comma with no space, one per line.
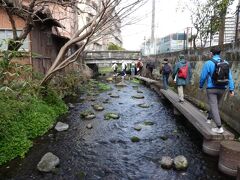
[105,14]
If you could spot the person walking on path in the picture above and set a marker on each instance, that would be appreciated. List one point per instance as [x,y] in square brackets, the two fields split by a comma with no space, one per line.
[165,70]
[218,75]
[133,73]
[139,67]
[115,68]
[124,69]
[182,74]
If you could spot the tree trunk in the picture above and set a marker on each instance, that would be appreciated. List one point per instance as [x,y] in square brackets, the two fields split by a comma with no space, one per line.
[221,32]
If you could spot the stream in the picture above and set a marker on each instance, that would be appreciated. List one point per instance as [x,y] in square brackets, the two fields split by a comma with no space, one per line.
[107,152]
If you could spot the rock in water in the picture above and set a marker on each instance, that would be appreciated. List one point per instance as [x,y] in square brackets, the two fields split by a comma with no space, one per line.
[110,115]
[48,162]
[166,162]
[121,84]
[180,163]
[135,139]
[138,128]
[89,126]
[138,97]
[70,105]
[98,107]
[143,105]
[61,126]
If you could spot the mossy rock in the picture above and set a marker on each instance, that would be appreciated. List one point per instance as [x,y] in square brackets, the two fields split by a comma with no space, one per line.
[111,115]
[201,105]
[87,115]
[135,139]
[138,97]
[143,105]
[164,138]
[148,123]
[138,128]
[109,79]
[121,84]
[135,87]
[97,107]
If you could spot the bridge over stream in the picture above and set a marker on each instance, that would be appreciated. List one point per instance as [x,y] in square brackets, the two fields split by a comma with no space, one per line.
[107,57]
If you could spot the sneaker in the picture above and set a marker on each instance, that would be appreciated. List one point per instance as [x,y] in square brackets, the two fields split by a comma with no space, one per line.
[218,130]
[209,121]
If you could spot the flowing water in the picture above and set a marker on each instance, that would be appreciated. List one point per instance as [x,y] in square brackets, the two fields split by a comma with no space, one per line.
[106,151]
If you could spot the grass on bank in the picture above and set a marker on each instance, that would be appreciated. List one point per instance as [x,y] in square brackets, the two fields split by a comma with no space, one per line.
[23,118]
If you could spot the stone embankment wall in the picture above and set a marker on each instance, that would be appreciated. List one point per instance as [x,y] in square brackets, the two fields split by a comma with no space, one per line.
[229,106]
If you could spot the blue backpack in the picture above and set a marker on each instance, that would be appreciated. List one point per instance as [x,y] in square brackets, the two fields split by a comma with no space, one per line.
[166,69]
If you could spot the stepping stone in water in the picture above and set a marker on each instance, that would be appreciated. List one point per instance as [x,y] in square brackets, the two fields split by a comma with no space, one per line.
[114,95]
[138,128]
[164,138]
[138,91]
[148,123]
[61,126]
[135,87]
[109,79]
[138,97]
[48,162]
[97,107]
[121,84]
[106,101]
[87,115]
[135,139]
[89,126]
[166,162]
[70,105]
[180,163]
[143,105]
[111,115]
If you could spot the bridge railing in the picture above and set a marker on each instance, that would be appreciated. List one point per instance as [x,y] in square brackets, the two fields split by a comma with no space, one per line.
[111,55]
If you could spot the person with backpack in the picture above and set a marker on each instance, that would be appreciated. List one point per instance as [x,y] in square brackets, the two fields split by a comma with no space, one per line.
[124,69]
[165,71]
[218,75]
[115,68]
[182,74]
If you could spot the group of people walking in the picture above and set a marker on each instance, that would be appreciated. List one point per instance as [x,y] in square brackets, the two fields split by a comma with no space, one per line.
[215,73]
[135,68]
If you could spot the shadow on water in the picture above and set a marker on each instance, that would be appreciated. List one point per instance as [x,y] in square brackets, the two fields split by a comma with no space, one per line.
[106,151]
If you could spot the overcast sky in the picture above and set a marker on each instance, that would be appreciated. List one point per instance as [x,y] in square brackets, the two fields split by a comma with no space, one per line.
[169,19]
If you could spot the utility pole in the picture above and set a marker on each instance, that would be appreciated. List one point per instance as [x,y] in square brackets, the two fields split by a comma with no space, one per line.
[237,22]
[153,26]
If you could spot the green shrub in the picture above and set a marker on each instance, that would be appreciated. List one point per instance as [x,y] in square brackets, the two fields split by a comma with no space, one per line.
[24,117]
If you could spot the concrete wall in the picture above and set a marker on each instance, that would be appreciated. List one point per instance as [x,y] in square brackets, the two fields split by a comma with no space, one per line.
[230,107]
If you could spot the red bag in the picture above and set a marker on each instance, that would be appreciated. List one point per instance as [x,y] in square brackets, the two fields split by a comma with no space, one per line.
[183,72]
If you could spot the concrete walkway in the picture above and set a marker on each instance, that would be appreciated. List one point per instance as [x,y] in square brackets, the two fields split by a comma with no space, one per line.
[193,114]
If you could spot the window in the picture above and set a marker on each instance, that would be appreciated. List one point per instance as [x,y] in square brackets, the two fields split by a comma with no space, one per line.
[181,36]
[7,34]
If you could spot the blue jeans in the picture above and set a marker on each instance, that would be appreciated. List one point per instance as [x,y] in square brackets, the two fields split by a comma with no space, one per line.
[165,81]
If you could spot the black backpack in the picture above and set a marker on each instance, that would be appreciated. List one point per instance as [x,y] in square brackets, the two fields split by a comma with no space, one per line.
[221,73]
[166,69]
